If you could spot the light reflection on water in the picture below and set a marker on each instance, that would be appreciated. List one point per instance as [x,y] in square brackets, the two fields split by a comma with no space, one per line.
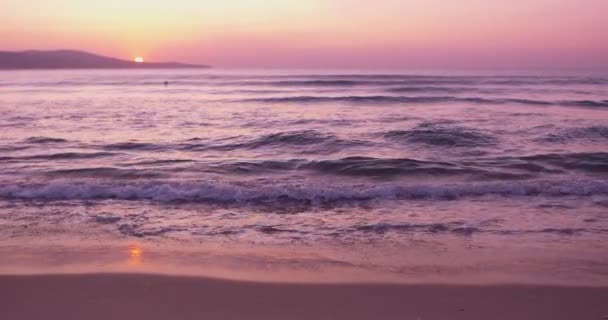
[135,256]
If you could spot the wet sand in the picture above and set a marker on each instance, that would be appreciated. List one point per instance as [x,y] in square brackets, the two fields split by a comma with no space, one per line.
[138,296]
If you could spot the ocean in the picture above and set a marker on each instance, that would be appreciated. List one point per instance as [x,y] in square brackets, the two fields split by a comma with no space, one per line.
[407,174]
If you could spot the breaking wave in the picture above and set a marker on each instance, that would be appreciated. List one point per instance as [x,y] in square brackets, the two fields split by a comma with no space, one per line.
[305,192]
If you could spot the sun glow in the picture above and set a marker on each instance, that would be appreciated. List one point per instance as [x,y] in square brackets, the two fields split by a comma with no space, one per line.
[135,255]
[139,59]
[318,33]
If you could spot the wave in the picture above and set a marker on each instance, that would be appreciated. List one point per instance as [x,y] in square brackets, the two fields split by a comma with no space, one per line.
[162,162]
[61,156]
[585,103]
[592,133]
[12,148]
[353,99]
[453,90]
[345,82]
[504,168]
[132,146]
[317,80]
[324,142]
[309,193]
[590,161]
[241,167]
[548,81]
[296,139]
[311,142]
[381,99]
[329,122]
[321,83]
[396,80]
[254,82]
[35,140]
[104,172]
[457,228]
[438,135]
[497,168]
[462,228]
[384,227]
[134,230]
[355,167]
[372,167]
[479,169]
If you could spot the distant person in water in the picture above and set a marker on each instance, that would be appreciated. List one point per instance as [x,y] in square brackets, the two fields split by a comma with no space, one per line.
[166,83]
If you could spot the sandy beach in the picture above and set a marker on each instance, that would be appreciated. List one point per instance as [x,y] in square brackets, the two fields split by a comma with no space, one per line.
[136,296]
[153,281]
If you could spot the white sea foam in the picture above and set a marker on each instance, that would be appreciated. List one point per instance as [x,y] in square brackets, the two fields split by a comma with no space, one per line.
[307,192]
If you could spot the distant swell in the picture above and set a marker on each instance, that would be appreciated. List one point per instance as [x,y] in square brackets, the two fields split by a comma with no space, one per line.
[44,140]
[132,146]
[431,89]
[60,156]
[103,172]
[379,99]
[405,81]
[307,193]
[335,80]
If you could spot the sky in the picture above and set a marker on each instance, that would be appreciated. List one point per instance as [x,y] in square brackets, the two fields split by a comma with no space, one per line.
[439,34]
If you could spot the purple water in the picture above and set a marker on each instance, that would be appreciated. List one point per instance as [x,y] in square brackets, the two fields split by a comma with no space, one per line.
[438,163]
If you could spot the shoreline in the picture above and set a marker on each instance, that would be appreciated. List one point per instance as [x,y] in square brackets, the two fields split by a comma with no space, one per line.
[140,296]
[296,264]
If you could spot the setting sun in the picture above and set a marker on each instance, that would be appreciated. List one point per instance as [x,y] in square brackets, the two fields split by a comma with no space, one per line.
[139,59]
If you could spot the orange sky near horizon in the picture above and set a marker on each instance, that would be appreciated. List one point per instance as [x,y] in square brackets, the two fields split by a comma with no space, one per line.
[320,33]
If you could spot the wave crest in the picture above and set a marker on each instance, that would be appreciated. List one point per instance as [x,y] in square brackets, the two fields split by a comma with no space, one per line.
[41,140]
[283,193]
[382,99]
[311,138]
[592,133]
[435,135]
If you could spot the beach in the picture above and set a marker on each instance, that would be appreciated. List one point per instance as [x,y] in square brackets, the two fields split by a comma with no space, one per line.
[136,296]
[150,281]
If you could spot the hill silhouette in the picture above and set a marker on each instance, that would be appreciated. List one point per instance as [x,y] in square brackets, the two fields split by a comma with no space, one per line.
[74,59]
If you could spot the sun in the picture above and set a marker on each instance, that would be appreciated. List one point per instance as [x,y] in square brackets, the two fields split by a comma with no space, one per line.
[139,59]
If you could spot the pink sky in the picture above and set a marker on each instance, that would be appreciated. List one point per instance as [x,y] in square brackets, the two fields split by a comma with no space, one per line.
[320,33]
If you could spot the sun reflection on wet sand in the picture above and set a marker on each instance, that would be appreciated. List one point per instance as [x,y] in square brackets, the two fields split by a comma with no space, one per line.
[135,256]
